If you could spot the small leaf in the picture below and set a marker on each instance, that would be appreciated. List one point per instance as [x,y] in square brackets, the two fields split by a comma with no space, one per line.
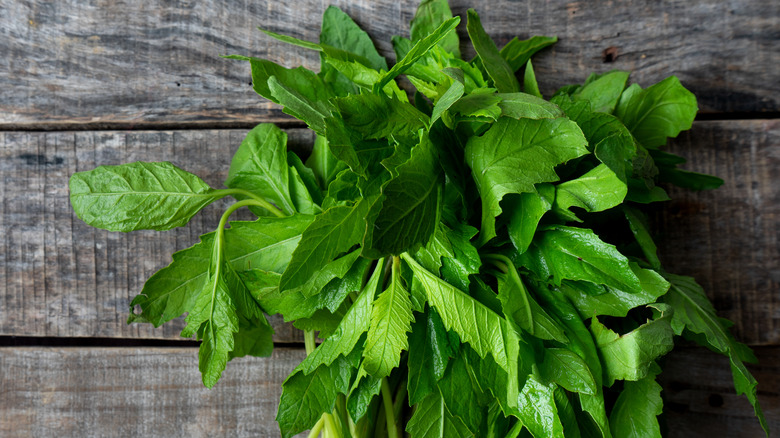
[530,85]
[497,68]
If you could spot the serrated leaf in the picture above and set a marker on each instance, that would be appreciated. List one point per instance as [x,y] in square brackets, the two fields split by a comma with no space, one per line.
[391,318]
[693,311]
[333,232]
[363,391]
[305,397]
[432,419]
[514,155]
[138,196]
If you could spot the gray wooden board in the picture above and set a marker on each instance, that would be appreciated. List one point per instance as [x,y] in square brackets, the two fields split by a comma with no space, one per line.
[124,392]
[63,278]
[106,392]
[729,238]
[76,64]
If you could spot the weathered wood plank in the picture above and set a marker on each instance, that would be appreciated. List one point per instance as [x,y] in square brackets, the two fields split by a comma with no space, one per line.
[729,238]
[63,278]
[122,392]
[75,64]
[699,397]
[73,392]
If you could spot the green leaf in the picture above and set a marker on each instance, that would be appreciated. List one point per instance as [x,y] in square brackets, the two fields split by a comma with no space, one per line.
[514,155]
[567,369]
[452,95]
[461,394]
[356,322]
[497,68]
[432,419]
[525,212]
[305,397]
[138,196]
[669,173]
[562,252]
[635,411]
[266,243]
[530,85]
[391,318]
[376,116]
[363,391]
[260,166]
[518,52]
[429,353]
[526,106]
[419,49]
[694,312]
[522,310]
[341,32]
[254,338]
[637,221]
[598,190]
[304,191]
[657,112]
[629,357]
[429,16]
[333,232]
[614,302]
[603,90]
[299,104]
[538,411]
[476,324]
[410,209]
[464,261]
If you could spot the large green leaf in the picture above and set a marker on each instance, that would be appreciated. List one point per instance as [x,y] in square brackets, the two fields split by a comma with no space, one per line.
[630,356]
[429,16]
[568,253]
[341,32]
[333,232]
[305,397]
[636,408]
[693,311]
[391,318]
[138,196]
[497,68]
[410,209]
[266,244]
[432,419]
[657,112]
[260,166]
[513,155]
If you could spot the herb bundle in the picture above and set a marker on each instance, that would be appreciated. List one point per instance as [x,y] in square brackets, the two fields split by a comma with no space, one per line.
[475,259]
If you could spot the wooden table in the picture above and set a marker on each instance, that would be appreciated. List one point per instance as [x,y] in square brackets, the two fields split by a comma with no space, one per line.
[106,82]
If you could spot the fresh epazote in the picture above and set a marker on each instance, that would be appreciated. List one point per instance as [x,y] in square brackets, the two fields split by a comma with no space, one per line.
[475,258]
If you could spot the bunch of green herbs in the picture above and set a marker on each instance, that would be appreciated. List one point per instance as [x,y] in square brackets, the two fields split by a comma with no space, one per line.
[475,259]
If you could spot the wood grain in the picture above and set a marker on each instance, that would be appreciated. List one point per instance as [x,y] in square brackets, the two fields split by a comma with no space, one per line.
[63,278]
[699,397]
[729,238]
[123,392]
[88,65]
[107,392]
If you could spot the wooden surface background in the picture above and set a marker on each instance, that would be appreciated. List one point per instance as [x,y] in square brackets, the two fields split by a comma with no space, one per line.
[106,82]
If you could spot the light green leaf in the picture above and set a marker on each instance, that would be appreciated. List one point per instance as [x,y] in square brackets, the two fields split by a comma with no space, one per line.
[603,91]
[429,16]
[693,311]
[514,155]
[522,310]
[658,112]
[568,370]
[432,419]
[419,49]
[341,32]
[629,357]
[525,212]
[391,318]
[527,106]
[530,85]
[260,166]
[497,68]
[333,232]
[538,411]
[598,190]
[138,196]
[636,409]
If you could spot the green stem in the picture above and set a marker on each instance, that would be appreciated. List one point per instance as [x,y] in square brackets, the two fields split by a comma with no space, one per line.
[515,430]
[260,201]
[387,400]
[341,411]
[317,428]
[309,341]
[330,426]
[400,399]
